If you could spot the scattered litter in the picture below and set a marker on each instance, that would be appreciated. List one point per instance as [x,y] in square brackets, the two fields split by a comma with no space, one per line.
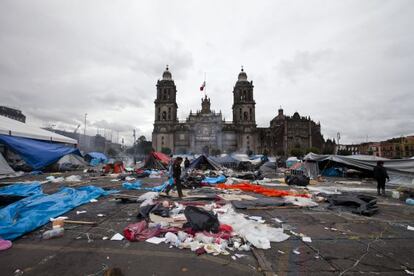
[55,233]
[240,255]
[105,238]
[281,252]
[58,218]
[155,240]
[296,251]
[73,178]
[93,200]
[409,272]
[80,212]
[306,239]
[260,235]
[117,237]
[410,228]
[277,220]
[100,215]
[234,257]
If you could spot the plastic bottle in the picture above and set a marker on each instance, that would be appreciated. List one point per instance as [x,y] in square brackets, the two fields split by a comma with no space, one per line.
[54,233]
[409,201]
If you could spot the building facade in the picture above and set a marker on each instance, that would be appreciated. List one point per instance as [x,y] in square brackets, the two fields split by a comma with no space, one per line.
[205,131]
[395,148]
[12,113]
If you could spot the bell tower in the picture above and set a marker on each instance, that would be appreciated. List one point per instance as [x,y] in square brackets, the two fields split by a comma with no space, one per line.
[244,114]
[165,112]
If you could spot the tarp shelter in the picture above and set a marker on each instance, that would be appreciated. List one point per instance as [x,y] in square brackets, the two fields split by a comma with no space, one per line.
[37,147]
[37,154]
[401,171]
[226,161]
[15,128]
[204,163]
[71,162]
[5,169]
[95,158]
[157,160]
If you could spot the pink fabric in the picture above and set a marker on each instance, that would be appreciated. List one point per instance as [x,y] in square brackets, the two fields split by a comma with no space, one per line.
[5,244]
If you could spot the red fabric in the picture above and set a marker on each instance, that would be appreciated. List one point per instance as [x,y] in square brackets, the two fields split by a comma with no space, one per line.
[225,228]
[247,187]
[140,231]
[165,159]
[119,167]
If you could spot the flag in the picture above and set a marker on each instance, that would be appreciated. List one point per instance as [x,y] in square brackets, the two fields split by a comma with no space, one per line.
[202,86]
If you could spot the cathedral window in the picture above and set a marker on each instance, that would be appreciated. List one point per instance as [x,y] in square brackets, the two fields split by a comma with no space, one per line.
[169,113]
[164,115]
[245,115]
[159,114]
[251,115]
[240,114]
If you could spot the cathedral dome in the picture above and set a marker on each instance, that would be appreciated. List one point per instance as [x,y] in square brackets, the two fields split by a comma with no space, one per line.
[167,74]
[242,75]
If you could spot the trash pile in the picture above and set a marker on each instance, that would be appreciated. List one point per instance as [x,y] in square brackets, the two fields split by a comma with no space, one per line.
[213,228]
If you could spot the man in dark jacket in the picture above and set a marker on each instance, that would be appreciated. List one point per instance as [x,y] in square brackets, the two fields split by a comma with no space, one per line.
[380,174]
[186,163]
[176,170]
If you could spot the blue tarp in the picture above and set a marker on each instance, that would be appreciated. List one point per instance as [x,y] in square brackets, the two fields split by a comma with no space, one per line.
[32,212]
[96,158]
[22,189]
[332,172]
[215,180]
[162,187]
[132,186]
[37,154]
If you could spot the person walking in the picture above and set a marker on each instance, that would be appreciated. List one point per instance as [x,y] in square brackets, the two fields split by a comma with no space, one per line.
[176,171]
[186,163]
[380,174]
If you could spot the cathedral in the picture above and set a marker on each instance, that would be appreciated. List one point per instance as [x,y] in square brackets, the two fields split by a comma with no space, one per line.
[205,131]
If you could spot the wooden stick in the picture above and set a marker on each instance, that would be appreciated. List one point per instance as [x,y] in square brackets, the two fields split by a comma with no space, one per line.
[80,222]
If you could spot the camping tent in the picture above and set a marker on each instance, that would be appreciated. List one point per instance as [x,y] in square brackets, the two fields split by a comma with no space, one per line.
[205,163]
[5,169]
[71,162]
[156,160]
[226,161]
[401,169]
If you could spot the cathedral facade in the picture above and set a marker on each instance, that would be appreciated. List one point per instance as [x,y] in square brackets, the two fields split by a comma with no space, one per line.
[205,131]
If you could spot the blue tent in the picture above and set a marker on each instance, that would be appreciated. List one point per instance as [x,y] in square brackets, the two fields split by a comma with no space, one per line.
[37,154]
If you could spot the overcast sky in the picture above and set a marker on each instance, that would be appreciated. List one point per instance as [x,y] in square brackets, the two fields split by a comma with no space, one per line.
[347,64]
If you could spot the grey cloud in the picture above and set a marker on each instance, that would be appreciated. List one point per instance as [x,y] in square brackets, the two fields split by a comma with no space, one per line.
[303,62]
[348,65]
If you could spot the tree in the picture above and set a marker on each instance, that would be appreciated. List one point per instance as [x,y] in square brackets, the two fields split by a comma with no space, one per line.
[166,151]
[313,150]
[112,152]
[215,152]
[296,152]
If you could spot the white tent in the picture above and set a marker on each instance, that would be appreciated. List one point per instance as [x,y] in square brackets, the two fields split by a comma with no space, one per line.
[19,129]
[5,169]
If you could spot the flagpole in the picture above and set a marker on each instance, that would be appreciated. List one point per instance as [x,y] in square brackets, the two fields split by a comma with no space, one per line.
[205,85]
